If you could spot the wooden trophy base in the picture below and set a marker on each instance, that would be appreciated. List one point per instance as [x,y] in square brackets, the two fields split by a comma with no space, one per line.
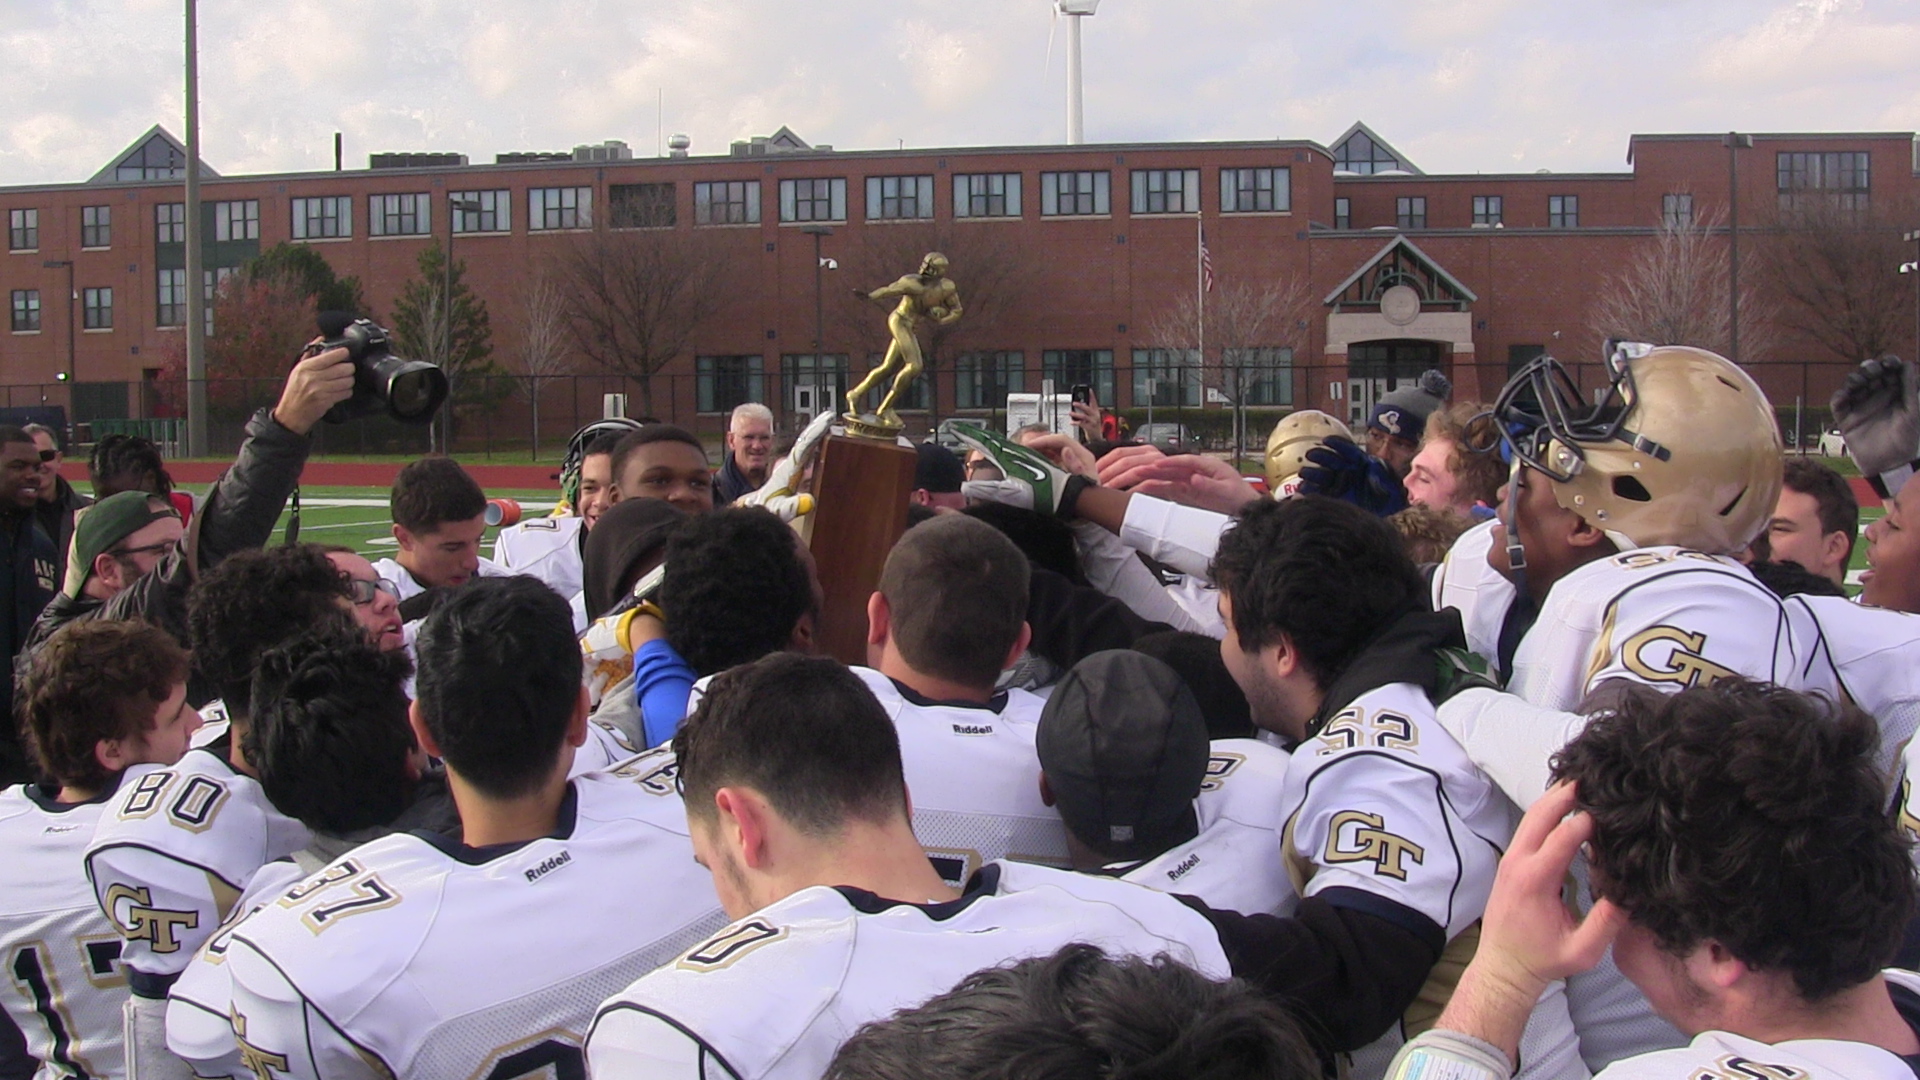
[861,488]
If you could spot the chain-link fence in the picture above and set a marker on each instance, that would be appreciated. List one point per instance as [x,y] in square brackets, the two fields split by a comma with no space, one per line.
[517,418]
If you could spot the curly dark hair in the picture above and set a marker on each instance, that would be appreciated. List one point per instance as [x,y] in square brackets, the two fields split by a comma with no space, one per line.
[94,679]
[1750,815]
[1324,572]
[329,732]
[734,587]
[253,601]
[127,463]
[1080,1013]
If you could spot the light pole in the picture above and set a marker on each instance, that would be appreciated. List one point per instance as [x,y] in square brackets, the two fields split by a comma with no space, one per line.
[1914,269]
[820,263]
[1734,142]
[67,376]
[455,205]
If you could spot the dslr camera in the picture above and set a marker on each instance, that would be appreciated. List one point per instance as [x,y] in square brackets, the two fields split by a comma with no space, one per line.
[410,391]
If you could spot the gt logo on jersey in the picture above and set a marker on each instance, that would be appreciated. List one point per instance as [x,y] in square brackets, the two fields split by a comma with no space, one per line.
[1355,836]
[262,1063]
[1908,822]
[1735,1067]
[1683,663]
[731,944]
[143,922]
[1219,767]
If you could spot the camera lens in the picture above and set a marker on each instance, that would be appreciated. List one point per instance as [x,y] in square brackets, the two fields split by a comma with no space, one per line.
[411,395]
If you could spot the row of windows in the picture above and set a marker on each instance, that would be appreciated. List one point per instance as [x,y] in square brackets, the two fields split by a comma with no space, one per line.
[982,380]
[96,312]
[1410,211]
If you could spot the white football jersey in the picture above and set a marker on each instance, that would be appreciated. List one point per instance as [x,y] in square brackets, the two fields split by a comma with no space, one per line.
[1466,583]
[1668,618]
[1874,657]
[402,578]
[200,1005]
[1235,863]
[547,548]
[416,957]
[1383,802]
[63,987]
[974,778]
[1661,616]
[774,995]
[605,748]
[173,852]
[1721,1055]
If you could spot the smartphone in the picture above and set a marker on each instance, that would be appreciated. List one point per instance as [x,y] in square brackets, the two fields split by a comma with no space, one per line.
[1083,393]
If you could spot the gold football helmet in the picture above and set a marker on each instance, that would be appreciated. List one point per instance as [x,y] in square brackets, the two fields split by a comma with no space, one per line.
[1295,434]
[1683,449]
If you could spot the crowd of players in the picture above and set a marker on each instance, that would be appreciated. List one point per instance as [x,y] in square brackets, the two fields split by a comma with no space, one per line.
[1528,738]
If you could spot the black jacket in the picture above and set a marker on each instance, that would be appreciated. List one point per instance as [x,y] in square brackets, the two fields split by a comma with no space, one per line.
[239,513]
[56,519]
[730,483]
[25,587]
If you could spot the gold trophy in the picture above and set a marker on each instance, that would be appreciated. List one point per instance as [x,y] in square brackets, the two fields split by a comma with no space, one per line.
[928,294]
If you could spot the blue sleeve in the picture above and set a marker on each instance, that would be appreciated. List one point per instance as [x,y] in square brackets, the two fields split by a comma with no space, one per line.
[663,682]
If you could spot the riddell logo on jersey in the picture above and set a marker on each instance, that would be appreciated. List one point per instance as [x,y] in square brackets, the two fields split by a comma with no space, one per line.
[973,729]
[549,865]
[1186,864]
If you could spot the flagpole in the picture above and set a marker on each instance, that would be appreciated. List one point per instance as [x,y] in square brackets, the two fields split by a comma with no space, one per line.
[1200,288]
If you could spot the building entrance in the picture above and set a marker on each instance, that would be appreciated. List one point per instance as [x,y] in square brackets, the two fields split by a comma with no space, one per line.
[1376,367]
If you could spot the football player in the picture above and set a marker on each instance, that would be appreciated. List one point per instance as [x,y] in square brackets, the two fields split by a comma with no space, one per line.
[1391,835]
[1755,890]
[1621,520]
[796,798]
[100,697]
[948,617]
[439,514]
[575,887]
[329,735]
[551,548]
[179,842]
[1124,757]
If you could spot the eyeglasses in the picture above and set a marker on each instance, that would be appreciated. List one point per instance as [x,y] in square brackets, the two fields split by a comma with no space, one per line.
[48,455]
[364,591]
[160,548]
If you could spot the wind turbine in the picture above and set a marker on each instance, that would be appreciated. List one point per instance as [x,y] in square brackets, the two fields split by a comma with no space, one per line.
[1074,10]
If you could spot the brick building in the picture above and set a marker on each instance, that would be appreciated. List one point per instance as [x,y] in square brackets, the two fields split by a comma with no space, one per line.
[1069,256]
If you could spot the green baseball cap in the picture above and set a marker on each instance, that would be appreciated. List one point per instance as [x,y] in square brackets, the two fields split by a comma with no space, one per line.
[97,528]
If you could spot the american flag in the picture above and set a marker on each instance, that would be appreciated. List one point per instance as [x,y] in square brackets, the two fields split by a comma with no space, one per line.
[1206,263]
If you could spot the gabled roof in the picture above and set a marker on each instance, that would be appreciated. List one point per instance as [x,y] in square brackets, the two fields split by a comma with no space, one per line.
[155,148]
[1413,252]
[785,139]
[1360,127]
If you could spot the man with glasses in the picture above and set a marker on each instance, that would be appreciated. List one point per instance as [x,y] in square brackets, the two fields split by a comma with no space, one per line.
[59,500]
[151,572]
[376,601]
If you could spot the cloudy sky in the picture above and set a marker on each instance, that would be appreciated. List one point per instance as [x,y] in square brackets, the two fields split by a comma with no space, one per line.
[1458,85]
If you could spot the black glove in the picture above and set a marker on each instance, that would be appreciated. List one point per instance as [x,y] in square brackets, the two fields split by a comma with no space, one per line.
[1339,469]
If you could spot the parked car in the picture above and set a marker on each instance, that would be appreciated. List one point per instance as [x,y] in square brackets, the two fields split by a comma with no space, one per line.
[1173,438]
[1832,443]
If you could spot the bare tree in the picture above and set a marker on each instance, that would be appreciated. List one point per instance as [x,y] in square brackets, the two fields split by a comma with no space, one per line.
[1674,292]
[1246,323]
[993,274]
[542,351]
[634,299]
[1833,269]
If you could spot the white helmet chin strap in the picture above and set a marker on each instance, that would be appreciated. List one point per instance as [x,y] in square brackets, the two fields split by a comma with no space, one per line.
[1510,514]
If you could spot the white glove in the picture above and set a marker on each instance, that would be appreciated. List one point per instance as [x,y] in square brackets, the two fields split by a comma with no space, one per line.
[1032,482]
[778,494]
[1878,410]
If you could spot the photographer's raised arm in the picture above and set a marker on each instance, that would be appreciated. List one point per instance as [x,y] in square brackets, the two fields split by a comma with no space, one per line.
[245,503]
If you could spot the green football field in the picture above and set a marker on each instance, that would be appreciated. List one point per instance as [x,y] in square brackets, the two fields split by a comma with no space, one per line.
[357,517]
